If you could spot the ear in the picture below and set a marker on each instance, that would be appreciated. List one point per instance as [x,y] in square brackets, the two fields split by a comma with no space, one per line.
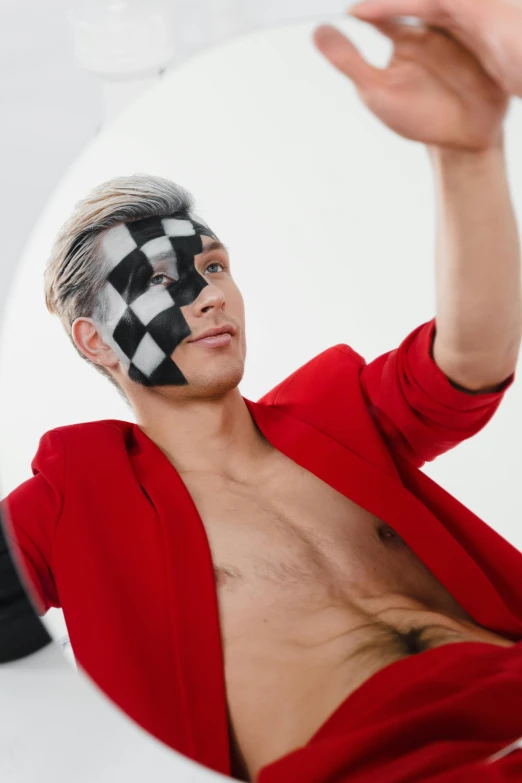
[89,341]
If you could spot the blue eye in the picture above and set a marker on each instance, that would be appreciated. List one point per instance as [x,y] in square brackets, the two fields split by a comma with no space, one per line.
[215,263]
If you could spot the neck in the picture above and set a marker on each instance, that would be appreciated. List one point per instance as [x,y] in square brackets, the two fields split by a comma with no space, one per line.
[214,435]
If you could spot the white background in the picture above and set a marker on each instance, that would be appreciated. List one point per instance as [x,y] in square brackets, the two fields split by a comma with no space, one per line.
[330,221]
[50,108]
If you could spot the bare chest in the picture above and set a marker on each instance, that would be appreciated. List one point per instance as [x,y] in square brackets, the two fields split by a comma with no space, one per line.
[288,539]
[306,579]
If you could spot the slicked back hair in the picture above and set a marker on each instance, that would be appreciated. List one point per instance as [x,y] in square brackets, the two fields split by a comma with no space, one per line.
[76,271]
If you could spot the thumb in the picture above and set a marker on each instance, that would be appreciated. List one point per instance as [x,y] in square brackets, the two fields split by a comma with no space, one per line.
[344,56]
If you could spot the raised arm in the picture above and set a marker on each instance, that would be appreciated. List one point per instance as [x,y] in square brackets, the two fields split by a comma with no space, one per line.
[478,285]
[435,91]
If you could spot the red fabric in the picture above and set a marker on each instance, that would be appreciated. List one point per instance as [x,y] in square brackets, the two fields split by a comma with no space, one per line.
[428,718]
[107,530]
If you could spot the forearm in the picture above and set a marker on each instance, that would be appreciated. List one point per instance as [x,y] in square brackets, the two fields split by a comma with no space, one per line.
[478,277]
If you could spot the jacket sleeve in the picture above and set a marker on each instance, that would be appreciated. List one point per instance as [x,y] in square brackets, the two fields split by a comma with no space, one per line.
[419,411]
[31,513]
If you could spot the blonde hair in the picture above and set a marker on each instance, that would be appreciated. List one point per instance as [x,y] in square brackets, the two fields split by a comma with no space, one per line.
[76,271]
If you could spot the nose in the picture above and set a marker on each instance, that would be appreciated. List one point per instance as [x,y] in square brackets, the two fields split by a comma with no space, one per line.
[209,298]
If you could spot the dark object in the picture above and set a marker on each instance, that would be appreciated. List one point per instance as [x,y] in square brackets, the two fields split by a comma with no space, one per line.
[21,632]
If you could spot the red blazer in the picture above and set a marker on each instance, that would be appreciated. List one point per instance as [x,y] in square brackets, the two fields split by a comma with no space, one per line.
[107,530]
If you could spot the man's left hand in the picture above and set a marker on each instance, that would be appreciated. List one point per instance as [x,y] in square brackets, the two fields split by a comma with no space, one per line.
[433,90]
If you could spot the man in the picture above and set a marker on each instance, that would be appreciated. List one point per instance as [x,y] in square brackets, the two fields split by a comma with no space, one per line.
[282,594]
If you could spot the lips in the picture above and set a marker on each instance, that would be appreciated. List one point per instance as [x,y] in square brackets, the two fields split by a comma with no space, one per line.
[226,329]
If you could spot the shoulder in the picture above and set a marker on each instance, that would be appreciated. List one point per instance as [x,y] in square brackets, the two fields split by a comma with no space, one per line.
[83,439]
[104,428]
[338,364]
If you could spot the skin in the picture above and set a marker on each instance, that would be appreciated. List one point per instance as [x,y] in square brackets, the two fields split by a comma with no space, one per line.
[490,29]
[434,91]
[219,302]
[209,412]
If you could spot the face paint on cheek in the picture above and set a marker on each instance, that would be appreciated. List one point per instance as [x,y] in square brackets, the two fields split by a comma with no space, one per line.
[145,323]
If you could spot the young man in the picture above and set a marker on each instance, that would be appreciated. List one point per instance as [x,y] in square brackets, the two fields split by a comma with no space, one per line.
[282,593]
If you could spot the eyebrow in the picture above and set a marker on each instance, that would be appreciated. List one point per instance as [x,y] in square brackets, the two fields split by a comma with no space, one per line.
[214,245]
[210,248]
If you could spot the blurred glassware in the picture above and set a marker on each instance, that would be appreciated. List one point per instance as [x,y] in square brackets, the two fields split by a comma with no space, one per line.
[130,43]
[121,39]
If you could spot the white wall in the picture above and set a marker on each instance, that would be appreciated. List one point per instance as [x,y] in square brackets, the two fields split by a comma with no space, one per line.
[50,108]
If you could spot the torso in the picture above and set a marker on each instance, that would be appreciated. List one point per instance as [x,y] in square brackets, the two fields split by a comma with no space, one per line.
[315,595]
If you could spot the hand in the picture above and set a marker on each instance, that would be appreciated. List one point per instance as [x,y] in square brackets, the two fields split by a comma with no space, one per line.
[491,29]
[433,90]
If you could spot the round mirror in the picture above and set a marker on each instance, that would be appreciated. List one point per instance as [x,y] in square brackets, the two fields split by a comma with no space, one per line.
[329,223]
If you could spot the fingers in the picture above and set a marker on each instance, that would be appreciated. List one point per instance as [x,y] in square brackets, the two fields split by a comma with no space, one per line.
[344,56]
[396,31]
[374,10]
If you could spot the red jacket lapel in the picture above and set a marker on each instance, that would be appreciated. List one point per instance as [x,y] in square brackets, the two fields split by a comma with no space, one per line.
[193,604]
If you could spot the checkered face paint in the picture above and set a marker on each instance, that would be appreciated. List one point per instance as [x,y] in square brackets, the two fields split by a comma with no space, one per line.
[145,322]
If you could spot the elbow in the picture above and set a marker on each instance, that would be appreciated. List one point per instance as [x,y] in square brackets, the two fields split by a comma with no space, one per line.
[485,373]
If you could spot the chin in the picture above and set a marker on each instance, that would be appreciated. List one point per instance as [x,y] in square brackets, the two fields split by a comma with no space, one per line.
[216,383]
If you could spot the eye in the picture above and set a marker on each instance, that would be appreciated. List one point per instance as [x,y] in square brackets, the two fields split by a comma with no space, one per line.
[158,279]
[215,264]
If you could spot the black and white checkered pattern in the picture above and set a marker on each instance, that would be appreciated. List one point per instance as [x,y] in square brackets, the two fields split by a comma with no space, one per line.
[146,322]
